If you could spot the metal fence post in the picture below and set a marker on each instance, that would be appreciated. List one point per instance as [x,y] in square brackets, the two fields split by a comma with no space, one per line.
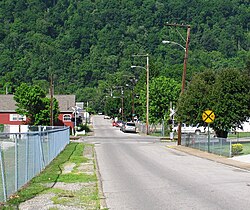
[16,163]
[230,149]
[42,165]
[163,128]
[27,158]
[3,175]
[34,155]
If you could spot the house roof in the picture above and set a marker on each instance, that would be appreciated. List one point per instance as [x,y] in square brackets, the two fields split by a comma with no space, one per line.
[8,104]
[66,102]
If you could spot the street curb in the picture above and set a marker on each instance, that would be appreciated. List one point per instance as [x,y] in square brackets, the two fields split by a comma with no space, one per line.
[103,204]
[212,157]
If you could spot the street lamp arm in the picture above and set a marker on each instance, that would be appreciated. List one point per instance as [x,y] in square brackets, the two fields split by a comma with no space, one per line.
[138,67]
[175,43]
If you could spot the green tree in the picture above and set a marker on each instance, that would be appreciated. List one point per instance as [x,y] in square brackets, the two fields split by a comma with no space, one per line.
[231,97]
[162,91]
[33,103]
[225,92]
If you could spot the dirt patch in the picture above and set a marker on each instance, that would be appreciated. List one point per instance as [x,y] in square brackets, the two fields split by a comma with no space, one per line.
[73,186]
[87,168]
[88,152]
[68,167]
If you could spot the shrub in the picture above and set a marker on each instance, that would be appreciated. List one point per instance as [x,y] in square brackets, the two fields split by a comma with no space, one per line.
[82,127]
[1,127]
[237,149]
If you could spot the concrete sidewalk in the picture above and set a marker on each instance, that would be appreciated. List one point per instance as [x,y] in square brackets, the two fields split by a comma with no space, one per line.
[242,162]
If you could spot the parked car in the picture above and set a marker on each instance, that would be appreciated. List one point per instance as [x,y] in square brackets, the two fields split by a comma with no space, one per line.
[197,129]
[114,124]
[106,117]
[119,123]
[128,127]
[245,127]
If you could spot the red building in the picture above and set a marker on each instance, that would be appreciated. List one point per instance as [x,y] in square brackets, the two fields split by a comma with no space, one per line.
[9,116]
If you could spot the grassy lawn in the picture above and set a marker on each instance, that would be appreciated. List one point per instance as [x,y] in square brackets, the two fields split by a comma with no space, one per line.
[246,149]
[239,135]
[42,184]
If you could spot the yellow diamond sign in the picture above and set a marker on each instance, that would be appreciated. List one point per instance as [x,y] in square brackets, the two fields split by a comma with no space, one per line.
[208,116]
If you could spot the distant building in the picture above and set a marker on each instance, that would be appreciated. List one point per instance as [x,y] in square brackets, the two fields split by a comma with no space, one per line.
[9,116]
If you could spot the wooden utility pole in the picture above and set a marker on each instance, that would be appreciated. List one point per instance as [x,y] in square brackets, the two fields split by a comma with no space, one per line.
[51,100]
[184,68]
[147,88]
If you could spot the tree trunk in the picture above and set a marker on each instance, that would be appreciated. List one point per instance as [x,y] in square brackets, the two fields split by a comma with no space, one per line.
[221,134]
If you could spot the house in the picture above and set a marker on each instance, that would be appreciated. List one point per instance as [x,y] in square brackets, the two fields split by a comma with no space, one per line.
[9,116]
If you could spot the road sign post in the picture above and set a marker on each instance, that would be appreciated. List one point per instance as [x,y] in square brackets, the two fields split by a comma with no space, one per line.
[208,116]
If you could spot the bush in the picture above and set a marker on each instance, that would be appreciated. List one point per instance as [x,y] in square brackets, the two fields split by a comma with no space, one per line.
[1,127]
[82,127]
[237,149]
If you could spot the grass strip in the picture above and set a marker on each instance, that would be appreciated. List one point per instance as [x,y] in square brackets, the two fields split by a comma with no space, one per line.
[73,153]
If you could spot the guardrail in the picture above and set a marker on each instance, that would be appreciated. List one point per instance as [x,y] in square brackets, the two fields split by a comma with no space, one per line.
[24,155]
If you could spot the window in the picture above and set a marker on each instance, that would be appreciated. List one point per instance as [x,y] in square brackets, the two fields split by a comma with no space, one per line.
[17,117]
[66,117]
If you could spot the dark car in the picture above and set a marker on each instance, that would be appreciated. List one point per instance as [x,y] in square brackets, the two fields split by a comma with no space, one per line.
[119,123]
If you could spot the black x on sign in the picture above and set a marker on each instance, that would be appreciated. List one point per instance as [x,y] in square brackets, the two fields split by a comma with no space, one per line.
[208,116]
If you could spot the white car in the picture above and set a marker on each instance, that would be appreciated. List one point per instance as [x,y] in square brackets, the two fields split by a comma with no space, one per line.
[191,129]
[128,127]
[245,127]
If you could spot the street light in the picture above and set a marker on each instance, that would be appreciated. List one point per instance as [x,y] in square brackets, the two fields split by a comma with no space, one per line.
[76,111]
[133,81]
[147,96]
[122,100]
[175,43]
[184,69]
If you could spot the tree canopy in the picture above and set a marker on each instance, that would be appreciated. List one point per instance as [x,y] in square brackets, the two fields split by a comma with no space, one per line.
[33,103]
[225,92]
[89,45]
[83,42]
[163,91]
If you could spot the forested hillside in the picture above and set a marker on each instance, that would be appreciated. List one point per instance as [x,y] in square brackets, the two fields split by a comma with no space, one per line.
[88,45]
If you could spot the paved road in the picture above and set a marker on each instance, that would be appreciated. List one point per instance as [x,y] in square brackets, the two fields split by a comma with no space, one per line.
[140,172]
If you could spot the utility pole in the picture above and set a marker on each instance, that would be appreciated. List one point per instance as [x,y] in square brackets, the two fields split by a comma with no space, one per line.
[147,94]
[51,100]
[184,68]
[122,102]
[122,99]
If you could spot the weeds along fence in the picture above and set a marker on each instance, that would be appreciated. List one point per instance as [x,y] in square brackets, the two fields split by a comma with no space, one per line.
[24,155]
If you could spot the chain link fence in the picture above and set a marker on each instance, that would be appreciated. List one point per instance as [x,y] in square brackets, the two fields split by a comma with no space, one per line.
[23,155]
[152,128]
[215,145]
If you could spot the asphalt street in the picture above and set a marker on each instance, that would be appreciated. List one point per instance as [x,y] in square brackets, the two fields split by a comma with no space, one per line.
[141,172]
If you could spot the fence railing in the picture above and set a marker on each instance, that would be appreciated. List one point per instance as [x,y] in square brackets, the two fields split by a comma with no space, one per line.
[24,155]
[152,128]
[215,145]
